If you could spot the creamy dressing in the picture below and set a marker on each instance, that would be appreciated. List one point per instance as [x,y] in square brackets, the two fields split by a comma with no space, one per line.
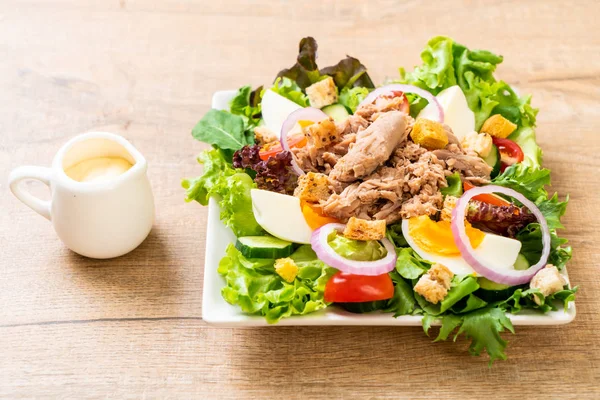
[98,169]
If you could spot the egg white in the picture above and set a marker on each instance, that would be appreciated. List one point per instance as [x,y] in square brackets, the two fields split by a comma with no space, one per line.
[498,252]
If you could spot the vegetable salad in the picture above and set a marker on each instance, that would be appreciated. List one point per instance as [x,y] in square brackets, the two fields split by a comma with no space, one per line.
[425,196]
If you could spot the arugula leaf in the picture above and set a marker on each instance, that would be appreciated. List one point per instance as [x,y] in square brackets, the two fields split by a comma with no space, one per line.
[247,103]
[352,97]
[231,185]
[290,90]
[255,287]
[455,186]
[223,130]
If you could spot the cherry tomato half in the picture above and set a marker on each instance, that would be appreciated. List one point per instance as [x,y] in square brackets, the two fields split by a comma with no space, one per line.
[486,198]
[405,107]
[510,152]
[350,288]
[274,148]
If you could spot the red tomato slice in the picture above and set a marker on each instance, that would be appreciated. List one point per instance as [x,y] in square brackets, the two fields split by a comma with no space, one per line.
[270,150]
[486,198]
[510,152]
[396,93]
[350,288]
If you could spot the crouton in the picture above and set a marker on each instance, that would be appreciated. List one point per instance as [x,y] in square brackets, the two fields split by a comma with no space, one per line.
[361,229]
[322,133]
[287,269]
[313,187]
[263,135]
[548,280]
[481,143]
[429,134]
[449,204]
[322,93]
[498,126]
[434,285]
[441,274]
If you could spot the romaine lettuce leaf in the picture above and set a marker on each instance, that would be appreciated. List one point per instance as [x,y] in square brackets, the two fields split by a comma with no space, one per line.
[461,287]
[403,302]
[232,188]
[255,287]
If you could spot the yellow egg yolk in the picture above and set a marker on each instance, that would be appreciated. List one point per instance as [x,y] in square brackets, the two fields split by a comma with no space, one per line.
[436,237]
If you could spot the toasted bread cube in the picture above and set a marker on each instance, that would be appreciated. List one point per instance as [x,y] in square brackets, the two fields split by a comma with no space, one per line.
[322,134]
[441,274]
[429,134]
[287,269]
[263,135]
[361,229]
[313,187]
[481,143]
[548,280]
[322,93]
[449,204]
[430,289]
[498,126]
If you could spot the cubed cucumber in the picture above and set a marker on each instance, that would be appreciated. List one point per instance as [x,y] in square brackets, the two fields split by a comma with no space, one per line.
[336,111]
[493,160]
[264,247]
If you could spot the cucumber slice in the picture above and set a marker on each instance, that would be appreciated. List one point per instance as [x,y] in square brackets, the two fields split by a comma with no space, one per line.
[336,111]
[493,160]
[491,291]
[264,247]
[521,263]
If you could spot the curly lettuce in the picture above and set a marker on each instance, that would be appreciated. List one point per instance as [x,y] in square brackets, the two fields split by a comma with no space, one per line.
[231,186]
[447,63]
[255,287]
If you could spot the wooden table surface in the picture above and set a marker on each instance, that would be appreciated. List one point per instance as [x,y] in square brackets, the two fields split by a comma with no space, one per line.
[131,327]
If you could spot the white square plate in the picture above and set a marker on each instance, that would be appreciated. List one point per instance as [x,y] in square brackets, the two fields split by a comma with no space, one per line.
[217,311]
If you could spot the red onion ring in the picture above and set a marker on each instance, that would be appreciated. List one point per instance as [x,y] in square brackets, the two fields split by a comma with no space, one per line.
[303,114]
[510,277]
[326,254]
[405,89]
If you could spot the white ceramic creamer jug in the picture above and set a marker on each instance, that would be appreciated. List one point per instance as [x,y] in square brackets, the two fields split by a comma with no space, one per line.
[100,217]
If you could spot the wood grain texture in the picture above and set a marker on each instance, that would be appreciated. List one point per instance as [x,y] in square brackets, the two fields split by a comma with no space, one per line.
[71,327]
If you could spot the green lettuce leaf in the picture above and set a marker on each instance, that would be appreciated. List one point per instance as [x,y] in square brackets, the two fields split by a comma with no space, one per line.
[290,90]
[223,130]
[455,186]
[529,181]
[531,246]
[232,188]
[403,302]
[357,250]
[447,63]
[522,298]
[247,103]
[461,287]
[409,264]
[255,287]
[352,97]
[348,73]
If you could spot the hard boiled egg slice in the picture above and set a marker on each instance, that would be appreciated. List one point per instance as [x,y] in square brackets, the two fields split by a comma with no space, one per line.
[280,215]
[457,113]
[275,110]
[430,241]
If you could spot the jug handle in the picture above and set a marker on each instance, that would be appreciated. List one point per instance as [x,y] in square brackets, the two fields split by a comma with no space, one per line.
[41,174]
